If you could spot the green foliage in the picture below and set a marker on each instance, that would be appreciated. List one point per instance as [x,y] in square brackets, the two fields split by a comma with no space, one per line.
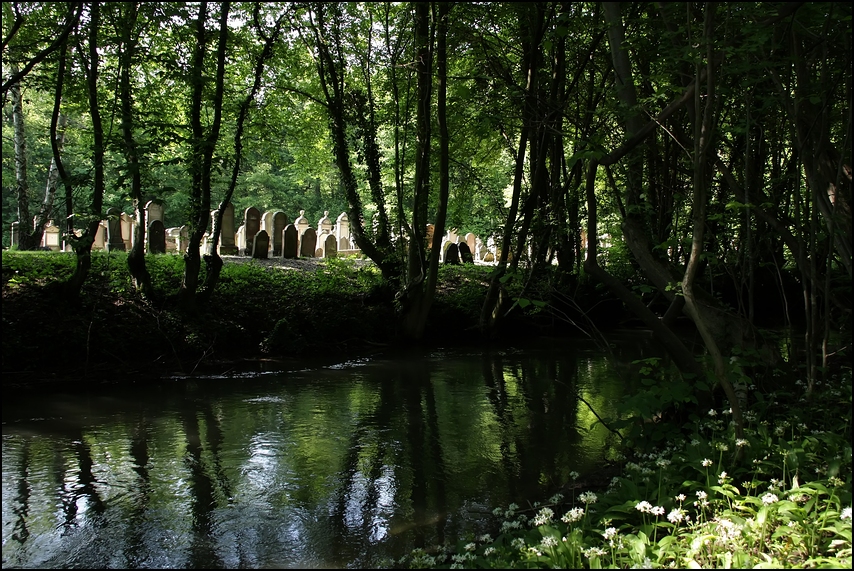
[677,507]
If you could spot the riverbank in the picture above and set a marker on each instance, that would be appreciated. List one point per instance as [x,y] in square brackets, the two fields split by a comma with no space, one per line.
[264,313]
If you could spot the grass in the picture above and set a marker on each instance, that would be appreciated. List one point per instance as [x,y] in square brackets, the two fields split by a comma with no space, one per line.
[784,503]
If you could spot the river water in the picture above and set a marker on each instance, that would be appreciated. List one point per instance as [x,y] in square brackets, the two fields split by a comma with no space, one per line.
[344,465]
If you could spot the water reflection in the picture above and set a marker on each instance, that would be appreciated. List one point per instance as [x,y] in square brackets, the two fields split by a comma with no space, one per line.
[334,466]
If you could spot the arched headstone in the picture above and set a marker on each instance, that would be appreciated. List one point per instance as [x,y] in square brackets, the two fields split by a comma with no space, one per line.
[252,222]
[308,243]
[261,245]
[156,237]
[289,242]
[342,231]
[465,253]
[331,246]
[280,220]
[227,244]
[452,254]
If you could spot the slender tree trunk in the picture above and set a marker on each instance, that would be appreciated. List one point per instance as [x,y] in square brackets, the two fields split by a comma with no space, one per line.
[136,258]
[83,245]
[22,185]
[203,149]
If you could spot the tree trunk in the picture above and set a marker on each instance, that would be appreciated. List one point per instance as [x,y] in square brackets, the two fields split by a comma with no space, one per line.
[22,185]
[136,258]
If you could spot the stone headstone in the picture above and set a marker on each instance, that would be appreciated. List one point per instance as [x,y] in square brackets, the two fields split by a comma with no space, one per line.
[331,247]
[308,243]
[465,253]
[324,225]
[429,235]
[488,257]
[227,243]
[100,242]
[290,242]
[15,237]
[128,225]
[154,211]
[114,230]
[261,245]
[173,239]
[156,237]
[252,221]
[342,231]
[267,221]
[471,241]
[183,239]
[50,238]
[301,223]
[452,254]
[280,220]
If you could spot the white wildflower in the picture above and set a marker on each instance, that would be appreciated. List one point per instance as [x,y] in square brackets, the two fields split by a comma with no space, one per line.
[706,462]
[588,498]
[846,513]
[572,515]
[769,498]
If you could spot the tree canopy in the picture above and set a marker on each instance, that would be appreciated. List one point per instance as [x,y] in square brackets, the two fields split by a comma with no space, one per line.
[669,151]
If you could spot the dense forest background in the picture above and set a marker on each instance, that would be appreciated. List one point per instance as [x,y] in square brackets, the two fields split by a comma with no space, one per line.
[692,158]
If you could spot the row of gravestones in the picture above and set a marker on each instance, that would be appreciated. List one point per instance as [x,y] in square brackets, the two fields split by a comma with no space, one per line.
[279,238]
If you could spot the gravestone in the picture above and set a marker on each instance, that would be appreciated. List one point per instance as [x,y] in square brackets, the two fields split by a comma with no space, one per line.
[100,242]
[331,249]
[452,254]
[50,238]
[301,224]
[156,237]
[308,243]
[342,231]
[267,221]
[429,234]
[465,253]
[154,211]
[183,239]
[471,241]
[290,242]
[488,257]
[114,231]
[261,245]
[128,225]
[280,220]
[227,243]
[252,222]
[324,225]
[14,237]
[173,240]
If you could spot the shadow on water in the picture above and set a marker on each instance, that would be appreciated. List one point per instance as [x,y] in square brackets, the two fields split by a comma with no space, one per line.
[340,466]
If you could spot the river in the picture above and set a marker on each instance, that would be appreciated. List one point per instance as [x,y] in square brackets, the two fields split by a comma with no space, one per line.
[326,465]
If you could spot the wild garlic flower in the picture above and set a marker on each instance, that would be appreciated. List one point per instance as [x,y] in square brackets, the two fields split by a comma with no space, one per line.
[706,462]
[572,515]
[573,475]
[610,532]
[676,516]
[722,478]
[680,498]
[644,506]
[741,442]
[846,513]
[555,498]
[488,551]
[769,498]
[470,546]
[713,412]
[657,511]
[543,517]
[588,498]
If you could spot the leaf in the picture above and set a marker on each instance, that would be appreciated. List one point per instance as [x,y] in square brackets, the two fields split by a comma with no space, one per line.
[523,303]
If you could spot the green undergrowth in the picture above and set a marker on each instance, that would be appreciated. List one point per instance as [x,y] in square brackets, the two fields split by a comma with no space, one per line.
[780,497]
[259,309]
